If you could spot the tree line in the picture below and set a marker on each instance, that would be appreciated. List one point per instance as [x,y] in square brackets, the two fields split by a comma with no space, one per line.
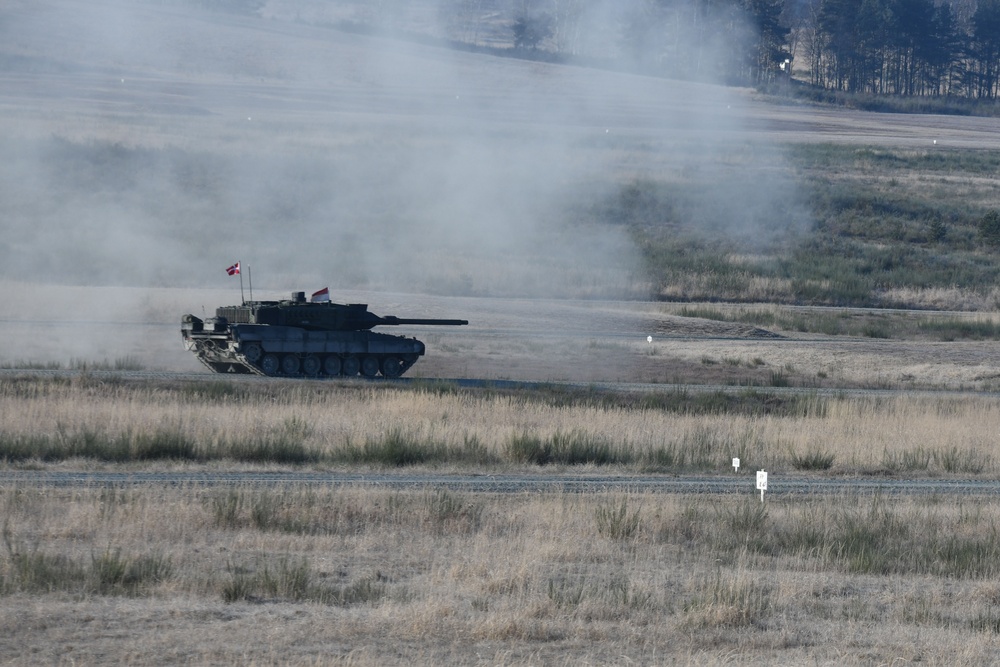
[913,48]
[883,47]
[904,47]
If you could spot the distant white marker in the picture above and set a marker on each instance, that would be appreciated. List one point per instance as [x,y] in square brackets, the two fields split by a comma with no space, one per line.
[649,339]
[935,142]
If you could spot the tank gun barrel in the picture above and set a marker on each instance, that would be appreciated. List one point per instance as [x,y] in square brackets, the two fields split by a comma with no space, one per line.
[392,320]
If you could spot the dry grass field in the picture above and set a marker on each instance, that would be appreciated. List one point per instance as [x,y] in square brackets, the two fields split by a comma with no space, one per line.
[59,421]
[148,145]
[320,575]
[293,576]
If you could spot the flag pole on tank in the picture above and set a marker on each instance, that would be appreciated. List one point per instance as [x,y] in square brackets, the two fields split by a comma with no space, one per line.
[235,270]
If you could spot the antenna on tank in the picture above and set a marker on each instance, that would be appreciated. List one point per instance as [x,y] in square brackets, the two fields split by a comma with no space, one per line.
[250,280]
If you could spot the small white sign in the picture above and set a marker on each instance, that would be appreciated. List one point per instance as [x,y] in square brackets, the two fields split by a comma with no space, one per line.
[762,483]
[736,464]
[762,480]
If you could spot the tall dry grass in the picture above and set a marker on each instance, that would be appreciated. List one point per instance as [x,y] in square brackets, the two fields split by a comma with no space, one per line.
[378,425]
[325,575]
[351,576]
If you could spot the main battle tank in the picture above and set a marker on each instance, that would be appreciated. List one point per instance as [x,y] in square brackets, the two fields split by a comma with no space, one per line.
[300,338]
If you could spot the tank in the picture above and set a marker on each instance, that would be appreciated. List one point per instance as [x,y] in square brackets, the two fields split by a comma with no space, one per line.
[296,338]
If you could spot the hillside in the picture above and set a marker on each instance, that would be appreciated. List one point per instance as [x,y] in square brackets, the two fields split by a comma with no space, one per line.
[156,143]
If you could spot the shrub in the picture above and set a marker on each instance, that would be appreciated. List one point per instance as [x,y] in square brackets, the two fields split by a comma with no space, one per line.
[989,228]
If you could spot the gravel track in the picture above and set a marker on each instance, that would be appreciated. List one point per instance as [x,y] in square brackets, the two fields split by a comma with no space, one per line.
[513,483]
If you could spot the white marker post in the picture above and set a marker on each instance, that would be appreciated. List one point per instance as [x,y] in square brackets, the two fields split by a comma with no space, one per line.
[736,464]
[762,483]
[649,339]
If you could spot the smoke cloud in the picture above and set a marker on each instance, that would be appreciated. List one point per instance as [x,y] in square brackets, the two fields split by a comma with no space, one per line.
[153,144]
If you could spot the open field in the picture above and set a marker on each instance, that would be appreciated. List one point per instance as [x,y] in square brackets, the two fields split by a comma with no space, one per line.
[320,575]
[368,577]
[568,214]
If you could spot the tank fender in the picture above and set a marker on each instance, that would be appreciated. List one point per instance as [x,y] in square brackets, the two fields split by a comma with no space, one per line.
[192,323]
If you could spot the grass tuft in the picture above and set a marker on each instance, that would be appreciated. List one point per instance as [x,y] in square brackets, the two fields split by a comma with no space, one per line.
[616,522]
[728,599]
[812,459]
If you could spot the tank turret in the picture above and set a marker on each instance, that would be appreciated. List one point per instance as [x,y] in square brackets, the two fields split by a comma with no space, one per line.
[298,338]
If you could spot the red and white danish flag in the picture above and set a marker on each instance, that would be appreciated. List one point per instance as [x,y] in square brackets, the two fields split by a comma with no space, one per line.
[321,295]
[234,269]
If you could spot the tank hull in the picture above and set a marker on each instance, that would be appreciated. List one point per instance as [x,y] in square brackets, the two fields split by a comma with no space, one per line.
[295,352]
[296,338]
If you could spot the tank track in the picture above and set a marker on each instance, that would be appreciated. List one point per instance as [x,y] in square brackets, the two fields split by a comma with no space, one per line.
[232,361]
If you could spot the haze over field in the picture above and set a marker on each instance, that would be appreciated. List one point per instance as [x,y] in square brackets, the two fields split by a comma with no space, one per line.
[153,144]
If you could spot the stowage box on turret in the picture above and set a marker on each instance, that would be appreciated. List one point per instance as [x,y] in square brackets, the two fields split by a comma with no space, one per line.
[300,338]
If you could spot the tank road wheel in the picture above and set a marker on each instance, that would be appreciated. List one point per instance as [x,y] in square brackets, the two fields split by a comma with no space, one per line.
[350,366]
[290,364]
[369,367]
[270,364]
[331,365]
[311,365]
[392,367]
[252,351]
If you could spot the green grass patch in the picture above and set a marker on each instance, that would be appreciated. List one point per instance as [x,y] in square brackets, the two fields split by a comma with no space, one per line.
[889,325]
[304,512]
[952,329]
[573,448]
[881,219]
[863,536]
[125,446]
[952,460]
[292,579]
[397,448]
[812,459]
[25,569]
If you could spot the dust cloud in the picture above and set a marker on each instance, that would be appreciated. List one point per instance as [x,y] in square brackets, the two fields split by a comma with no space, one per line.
[152,144]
